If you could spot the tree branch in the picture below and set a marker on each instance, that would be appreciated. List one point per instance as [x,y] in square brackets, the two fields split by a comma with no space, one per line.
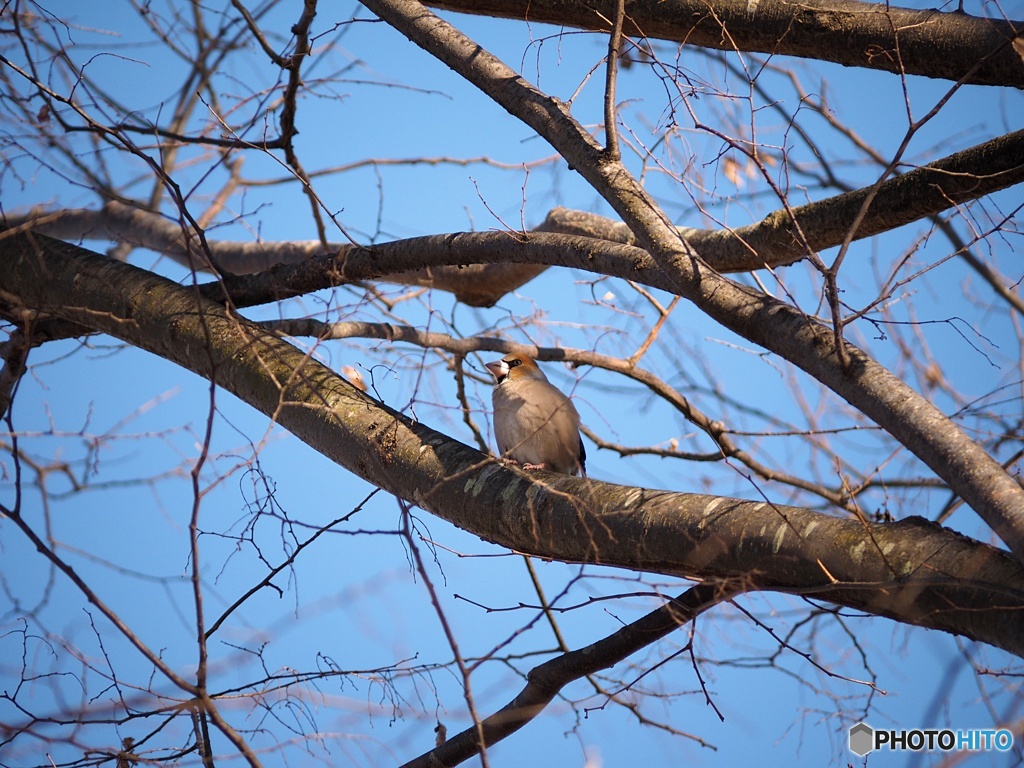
[967,175]
[912,196]
[545,681]
[727,447]
[854,34]
[911,571]
[754,315]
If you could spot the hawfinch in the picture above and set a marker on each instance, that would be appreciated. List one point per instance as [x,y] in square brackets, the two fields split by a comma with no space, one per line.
[535,424]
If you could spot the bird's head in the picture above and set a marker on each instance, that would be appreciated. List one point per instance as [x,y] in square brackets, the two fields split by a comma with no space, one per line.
[513,367]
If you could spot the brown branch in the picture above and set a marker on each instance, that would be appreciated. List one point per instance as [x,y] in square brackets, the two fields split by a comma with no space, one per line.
[14,357]
[912,571]
[611,142]
[473,285]
[913,196]
[583,253]
[847,32]
[545,681]
[916,195]
[257,33]
[197,139]
[289,109]
[847,370]
[727,447]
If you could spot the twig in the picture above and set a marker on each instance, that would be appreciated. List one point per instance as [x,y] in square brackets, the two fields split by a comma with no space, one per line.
[611,142]
[545,681]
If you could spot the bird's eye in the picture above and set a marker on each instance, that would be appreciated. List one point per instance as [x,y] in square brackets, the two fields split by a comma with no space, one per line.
[514,362]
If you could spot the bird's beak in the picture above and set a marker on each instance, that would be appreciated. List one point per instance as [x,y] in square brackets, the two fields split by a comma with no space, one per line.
[498,369]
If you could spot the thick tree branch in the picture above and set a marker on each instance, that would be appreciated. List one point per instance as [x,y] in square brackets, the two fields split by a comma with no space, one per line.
[950,46]
[726,445]
[913,196]
[911,571]
[125,224]
[13,356]
[779,327]
[918,194]
[602,257]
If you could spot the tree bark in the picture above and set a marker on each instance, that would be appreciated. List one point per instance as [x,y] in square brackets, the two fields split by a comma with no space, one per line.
[912,571]
[916,195]
[949,46]
[772,242]
[775,325]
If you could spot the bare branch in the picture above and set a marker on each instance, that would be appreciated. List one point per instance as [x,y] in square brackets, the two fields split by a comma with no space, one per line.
[913,196]
[777,326]
[545,681]
[855,34]
[912,571]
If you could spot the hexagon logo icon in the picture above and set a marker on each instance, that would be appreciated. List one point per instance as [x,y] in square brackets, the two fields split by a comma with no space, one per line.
[861,738]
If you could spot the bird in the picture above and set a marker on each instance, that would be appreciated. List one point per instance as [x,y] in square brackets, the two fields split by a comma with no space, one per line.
[535,424]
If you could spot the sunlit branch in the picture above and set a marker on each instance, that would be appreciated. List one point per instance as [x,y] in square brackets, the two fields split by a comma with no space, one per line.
[966,175]
[851,33]
[910,570]
[715,429]
[758,317]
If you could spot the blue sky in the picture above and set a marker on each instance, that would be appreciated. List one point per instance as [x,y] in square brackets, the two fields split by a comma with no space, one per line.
[353,599]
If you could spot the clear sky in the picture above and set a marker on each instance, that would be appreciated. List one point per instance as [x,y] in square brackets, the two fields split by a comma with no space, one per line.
[115,415]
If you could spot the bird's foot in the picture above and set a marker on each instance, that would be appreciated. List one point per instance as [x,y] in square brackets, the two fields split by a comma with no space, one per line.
[535,466]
